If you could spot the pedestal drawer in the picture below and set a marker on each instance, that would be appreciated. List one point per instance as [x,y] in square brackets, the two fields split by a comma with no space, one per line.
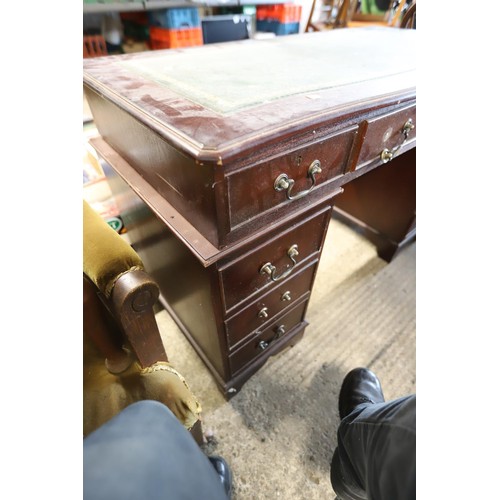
[257,189]
[265,339]
[383,136]
[269,305]
[274,260]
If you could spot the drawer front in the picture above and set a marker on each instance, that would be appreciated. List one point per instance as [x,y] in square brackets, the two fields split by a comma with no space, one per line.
[244,277]
[252,193]
[386,133]
[263,310]
[265,339]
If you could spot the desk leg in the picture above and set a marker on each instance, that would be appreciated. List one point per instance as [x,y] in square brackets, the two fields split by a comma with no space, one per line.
[381,205]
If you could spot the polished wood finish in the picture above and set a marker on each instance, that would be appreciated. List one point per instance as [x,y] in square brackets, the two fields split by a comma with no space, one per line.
[245,204]
[205,163]
[132,300]
[264,338]
[127,319]
[268,305]
[383,132]
[238,278]
[196,295]
[197,186]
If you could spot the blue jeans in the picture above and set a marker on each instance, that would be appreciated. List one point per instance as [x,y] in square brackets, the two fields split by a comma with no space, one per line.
[376,451]
[145,453]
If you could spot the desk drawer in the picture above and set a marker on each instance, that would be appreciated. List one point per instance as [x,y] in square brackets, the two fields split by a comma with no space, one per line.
[386,133]
[268,306]
[266,338]
[252,193]
[245,276]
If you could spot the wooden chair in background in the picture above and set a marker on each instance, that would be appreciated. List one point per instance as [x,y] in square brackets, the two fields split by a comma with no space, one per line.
[409,19]
[347,14]
[334,14]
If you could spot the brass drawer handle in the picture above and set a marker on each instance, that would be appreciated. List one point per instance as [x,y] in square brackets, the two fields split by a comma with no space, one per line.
[263,344]
[287,296]
[388,154]
[279,332]
[283,182]
[269,269]
[263,313]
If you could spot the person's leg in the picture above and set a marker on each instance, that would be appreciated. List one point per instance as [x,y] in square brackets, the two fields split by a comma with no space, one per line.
[376,448]
[145,452]
[375,457]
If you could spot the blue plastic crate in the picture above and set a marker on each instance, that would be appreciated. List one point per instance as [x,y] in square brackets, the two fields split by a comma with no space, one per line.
[277,27]
[174,18]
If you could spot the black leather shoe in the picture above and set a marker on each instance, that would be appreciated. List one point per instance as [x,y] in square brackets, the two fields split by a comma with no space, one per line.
[359,386]
[224,473]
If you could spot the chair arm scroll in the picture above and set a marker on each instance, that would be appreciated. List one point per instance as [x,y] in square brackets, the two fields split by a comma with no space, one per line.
[132,300]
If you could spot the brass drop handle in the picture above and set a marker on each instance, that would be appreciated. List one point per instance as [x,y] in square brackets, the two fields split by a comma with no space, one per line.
[279,332]
[388,154]
[283,182]
[269,269]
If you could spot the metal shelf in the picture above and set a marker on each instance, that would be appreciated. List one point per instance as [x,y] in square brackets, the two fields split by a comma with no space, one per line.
[95,8]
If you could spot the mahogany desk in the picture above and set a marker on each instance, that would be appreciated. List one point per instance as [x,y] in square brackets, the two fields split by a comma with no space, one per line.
[226,162]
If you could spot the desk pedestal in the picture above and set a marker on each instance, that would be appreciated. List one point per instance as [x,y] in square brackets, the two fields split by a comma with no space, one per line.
[381,205]
[234,314]
[249,302]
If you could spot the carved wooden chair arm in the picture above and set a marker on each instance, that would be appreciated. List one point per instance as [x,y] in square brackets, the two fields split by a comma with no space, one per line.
[132,301]
[127,293]
[124,356]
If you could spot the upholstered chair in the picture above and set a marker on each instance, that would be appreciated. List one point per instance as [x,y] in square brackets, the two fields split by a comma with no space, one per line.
[124,359]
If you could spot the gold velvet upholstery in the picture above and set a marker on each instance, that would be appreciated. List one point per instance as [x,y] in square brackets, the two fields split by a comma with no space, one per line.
[124,359]
[106,256]
[106,394]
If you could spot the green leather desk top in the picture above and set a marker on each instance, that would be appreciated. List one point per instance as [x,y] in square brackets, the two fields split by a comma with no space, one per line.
[218,99]
[230,77]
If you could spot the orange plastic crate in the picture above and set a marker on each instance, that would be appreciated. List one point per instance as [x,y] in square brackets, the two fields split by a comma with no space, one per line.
[94,46]
[283,13]
[163,38]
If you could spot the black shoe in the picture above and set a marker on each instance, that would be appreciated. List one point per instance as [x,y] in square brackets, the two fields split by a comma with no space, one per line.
[359,386]
[224,473]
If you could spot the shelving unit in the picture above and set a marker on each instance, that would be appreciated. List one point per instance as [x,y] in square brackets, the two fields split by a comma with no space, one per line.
[123,25]
[100,7]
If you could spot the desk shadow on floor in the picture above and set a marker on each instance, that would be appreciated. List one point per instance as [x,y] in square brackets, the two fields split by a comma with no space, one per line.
[288,410]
